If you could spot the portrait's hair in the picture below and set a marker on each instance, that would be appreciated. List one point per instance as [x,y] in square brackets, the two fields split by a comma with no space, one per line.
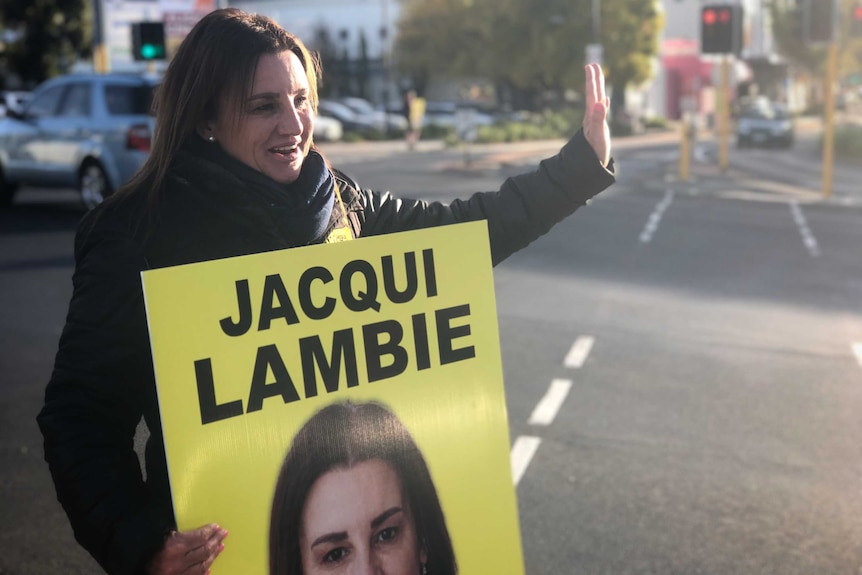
[213,67]
[338,437]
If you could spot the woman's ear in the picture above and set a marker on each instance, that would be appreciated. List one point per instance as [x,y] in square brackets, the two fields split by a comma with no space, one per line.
[205,131]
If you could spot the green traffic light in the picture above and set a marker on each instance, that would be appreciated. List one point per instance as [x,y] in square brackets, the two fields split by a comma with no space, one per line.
[149,51]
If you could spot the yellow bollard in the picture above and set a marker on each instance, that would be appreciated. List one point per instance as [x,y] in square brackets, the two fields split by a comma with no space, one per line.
[724,114]
[684,150]
[829,120]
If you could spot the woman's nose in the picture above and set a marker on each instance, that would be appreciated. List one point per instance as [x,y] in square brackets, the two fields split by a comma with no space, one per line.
[290,122]
[368,564]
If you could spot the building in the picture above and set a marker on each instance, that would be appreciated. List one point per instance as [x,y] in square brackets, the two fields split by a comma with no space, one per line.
[356,35]
[686,81]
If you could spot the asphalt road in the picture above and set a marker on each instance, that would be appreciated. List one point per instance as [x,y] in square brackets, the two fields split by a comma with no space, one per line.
[697,338]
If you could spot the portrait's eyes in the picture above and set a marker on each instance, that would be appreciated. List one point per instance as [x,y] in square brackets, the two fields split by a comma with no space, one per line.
[335,555]
[300,101]
[387,534]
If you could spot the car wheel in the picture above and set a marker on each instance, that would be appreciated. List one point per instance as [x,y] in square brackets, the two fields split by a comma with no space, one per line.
[7,192]
[93,185]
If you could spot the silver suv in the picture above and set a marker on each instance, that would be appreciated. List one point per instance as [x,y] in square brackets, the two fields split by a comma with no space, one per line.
[90,132]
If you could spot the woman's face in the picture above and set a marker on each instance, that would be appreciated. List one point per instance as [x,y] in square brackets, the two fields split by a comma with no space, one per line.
[273,134]
[355,521]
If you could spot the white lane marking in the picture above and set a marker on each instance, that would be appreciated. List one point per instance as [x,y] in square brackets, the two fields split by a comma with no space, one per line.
[549,406]
[578,353]
[655,217]
[857,351]
[522,453]
[807,237]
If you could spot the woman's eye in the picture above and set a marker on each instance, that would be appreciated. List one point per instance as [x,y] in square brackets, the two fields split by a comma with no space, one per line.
[387,534]
[335,556]
[264,107]
[300,101]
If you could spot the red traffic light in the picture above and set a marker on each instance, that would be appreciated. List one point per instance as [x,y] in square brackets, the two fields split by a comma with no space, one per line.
[709,17]
[721,28]
[856,24]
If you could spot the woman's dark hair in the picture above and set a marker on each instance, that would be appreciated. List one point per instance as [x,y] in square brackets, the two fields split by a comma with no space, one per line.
[213,66]
[338,437]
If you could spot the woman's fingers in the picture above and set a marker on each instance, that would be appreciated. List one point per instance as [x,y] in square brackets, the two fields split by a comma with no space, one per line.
[204,547]
[189,552]
[596,129]
[590,91]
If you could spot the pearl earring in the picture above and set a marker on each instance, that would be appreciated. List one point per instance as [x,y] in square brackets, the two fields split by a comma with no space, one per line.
[211,139]
[424,569]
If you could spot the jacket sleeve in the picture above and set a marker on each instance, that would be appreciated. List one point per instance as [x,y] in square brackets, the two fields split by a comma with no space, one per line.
[525,208]
[93,404]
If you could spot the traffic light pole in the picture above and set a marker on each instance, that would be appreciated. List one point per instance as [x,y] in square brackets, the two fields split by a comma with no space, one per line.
[724,114]
[829,119]
[101,61]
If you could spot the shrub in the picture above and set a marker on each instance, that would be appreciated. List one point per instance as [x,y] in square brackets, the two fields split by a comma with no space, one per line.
[655,123]
[848,142]
[544,126]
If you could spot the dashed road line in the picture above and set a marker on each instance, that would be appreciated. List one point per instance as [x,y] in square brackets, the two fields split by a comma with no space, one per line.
[578,353]
[807,236]
[857,351]
[655,218]
[549,406]
[522,452]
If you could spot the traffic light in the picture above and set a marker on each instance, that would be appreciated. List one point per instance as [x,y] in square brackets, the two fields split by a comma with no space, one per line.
[148,41]
[856,25]
[819,19]
[721,29]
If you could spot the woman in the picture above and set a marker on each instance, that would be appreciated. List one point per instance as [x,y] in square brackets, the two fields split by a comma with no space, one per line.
[233,170]
[355,495]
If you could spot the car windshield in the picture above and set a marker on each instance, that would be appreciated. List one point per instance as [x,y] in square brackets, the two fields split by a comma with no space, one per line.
[765,112]
[129,100]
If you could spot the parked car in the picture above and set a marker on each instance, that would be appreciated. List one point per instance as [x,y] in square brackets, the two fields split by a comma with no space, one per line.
[381,119]
[327,129]
[90,132]
[764,123]
[452,115]
[350,120]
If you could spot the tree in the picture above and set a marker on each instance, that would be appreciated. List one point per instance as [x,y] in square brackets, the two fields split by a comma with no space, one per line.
[426,43]
[363,72]
[327,56]
[535,48]
[630,36]
[56,34]
[787,31]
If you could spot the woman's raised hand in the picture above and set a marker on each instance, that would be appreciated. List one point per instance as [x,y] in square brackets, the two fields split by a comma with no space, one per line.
[189,552]
[596,129]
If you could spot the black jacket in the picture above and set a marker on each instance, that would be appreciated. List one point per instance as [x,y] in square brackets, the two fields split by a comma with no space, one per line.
[103,382]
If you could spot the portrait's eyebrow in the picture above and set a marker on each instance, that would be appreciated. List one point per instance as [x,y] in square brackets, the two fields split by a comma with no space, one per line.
[330,538]
[384,516]
[264,96]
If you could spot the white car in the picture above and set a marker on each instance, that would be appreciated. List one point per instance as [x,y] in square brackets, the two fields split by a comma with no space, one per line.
[381,119]
[327,129]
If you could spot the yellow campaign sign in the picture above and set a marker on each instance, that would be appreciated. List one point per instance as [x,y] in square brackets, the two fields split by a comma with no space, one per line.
[274,369]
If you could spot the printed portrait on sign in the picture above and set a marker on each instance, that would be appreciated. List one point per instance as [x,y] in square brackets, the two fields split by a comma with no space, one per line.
[355,492]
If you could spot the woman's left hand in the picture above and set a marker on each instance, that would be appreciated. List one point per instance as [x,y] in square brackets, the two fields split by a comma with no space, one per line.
[596,129]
